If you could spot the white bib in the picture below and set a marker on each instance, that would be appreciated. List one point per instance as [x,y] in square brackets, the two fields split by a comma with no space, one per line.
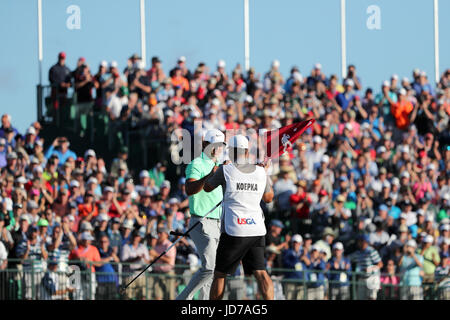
[243,216]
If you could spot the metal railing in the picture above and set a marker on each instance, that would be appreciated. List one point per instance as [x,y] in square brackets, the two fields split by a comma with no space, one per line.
[26,280]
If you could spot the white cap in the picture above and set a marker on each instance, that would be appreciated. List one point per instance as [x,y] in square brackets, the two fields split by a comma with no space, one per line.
[420,212]
[2,141]
[411,243]
[325,158]
[221,63]
[144,174]
[87,236]
[338,246]
[365,126]
[89,153]
[394,76]
[297,238]
[31,130]
[275,63]
[74,183]
[238,141]
[214,136]
[381,149]
[173,201]
[402,92]
[403,216]
[38,169]
[431,167]
[103,217]
[404,148]
[182,59]
[423,74]
[104,63]
[317,66]
[428,239]
[386,83]
[317,139]
[395,181]
[444,227]
[128,224]
[386,184]
[349,82]
[114,64]
[92,180]
[215,102]
[108,189]
[21,180]
[346,212]
[405,174]
[405,79]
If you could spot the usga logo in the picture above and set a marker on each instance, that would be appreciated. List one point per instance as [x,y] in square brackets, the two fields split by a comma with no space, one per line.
[245,221]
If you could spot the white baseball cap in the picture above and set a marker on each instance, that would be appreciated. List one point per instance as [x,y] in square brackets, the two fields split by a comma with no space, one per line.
[381,149]
[297,238]
[182,59]
[238,141]
[428,239]
[349,82]
[275,63]
[214,136]
[405,174]
[317,139]
[445,227]
[114,64]
[386,83]
[74,183]
[325,158]
[394,76]
[338,246]
[89,153]
[221,63]
[402,92]
[144,174]
[411,243]
[317,66]
[31,130]
[92,180]
[104,63]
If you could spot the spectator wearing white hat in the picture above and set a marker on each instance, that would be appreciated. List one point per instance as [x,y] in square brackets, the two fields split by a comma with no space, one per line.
[339,274]
[316,274]
[316,76]
[411,265]
[431,257]
[294,258]
[384,100]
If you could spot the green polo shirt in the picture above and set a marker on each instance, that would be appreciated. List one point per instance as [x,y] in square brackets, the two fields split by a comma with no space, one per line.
[201,202]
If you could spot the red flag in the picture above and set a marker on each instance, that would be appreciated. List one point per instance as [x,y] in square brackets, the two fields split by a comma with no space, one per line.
[281,140]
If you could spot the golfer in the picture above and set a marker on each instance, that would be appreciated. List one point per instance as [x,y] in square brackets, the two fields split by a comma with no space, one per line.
[243,228]
[206,235]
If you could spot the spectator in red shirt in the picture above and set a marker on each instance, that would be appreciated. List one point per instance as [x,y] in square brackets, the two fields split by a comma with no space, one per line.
[88,209]
[89,258]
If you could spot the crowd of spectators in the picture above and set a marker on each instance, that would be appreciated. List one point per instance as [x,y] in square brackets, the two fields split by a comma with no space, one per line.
[365,191]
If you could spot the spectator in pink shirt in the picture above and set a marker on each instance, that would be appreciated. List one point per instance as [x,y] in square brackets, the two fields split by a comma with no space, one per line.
[390,282]
[163,286]
[423,186]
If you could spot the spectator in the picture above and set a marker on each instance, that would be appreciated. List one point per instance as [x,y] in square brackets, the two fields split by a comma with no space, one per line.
[106,276]
[88,258]
[411,266]
[316,275]
[295,258]
[368,264]
[339,274]
[390,281]
[135,255]
[164,287]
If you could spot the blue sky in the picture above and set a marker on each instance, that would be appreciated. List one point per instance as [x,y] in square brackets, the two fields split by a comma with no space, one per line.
[295,32]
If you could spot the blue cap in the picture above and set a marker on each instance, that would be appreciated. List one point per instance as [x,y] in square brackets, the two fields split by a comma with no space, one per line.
[363,237]
[383,207]
[444,255]
[343,178]
[277,223]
